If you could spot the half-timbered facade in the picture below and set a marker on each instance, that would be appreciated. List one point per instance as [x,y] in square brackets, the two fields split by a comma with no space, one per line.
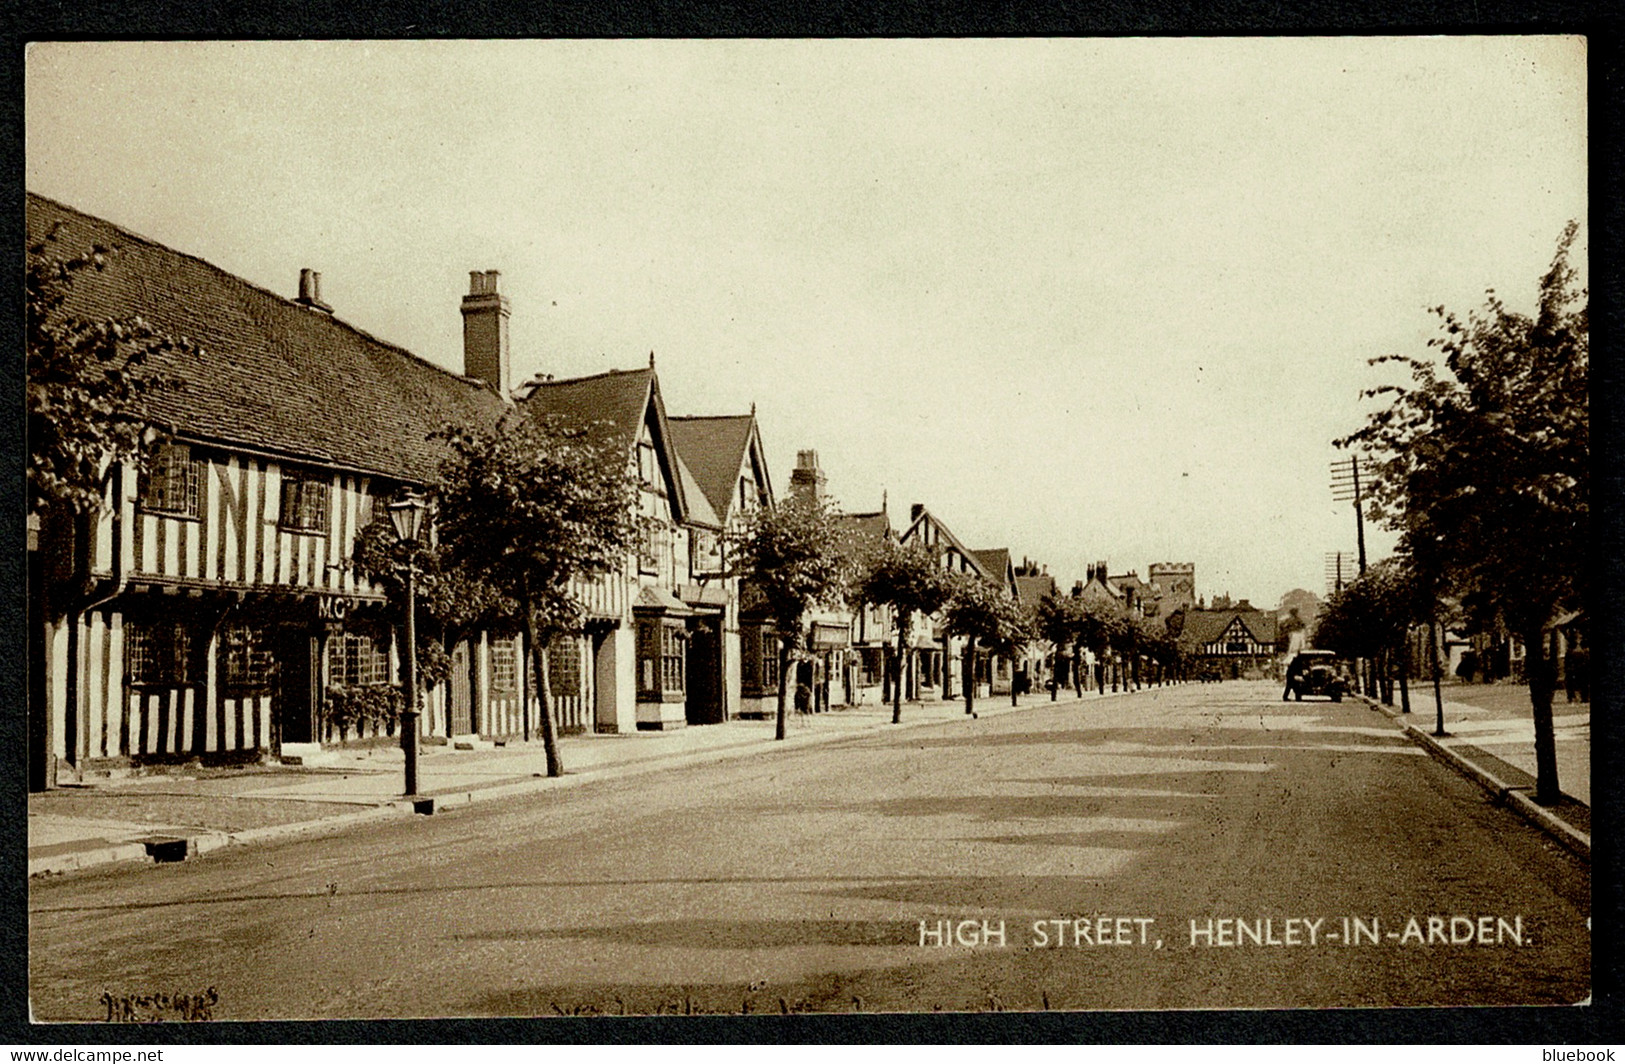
[934,659]
[646,659]
[1229,643]
[210,608]
[728,467]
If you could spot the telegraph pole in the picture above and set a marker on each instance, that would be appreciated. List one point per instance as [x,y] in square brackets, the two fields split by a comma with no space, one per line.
[1339,569]
[1346,488]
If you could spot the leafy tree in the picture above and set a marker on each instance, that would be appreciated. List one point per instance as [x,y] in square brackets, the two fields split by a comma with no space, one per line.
[1288,626]
[1105,631]
[87,379]
[451,599]
[910,579]
[1483,465]
[791,560]
[1150,635]
[532,505]
[1018,634]
[981,613]
[1059,622]
[1371,618]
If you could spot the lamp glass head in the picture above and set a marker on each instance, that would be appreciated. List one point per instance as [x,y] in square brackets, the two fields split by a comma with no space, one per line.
[407,517]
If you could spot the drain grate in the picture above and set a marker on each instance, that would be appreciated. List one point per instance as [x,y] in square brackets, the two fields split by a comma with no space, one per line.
[164,849]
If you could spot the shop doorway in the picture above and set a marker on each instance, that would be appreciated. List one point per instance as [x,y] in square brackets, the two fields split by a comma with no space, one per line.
[703,702]
[294,719]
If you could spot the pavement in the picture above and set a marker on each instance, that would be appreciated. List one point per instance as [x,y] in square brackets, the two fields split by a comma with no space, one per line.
[183,813]
[1490,738]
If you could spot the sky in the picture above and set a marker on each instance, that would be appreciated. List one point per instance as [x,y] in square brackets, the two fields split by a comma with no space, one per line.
[1085,299]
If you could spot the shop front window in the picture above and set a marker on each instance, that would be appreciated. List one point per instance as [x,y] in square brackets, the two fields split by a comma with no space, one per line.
[564,666]
[245,656]
[662,650]
[759,660]
[356,659]
[161,652]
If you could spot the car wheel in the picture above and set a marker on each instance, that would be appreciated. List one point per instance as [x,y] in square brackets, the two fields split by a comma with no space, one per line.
[1337,696]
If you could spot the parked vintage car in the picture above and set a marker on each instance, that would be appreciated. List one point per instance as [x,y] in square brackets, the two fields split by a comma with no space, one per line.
[1315,672]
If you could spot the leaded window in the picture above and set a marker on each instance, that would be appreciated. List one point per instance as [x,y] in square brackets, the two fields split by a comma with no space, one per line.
[759,660]
[651,536]
[564,666]
[245,656]
[304,502]
[173,482]
[671,659]
[661,649]
[161,652]
[504,665]
[356,659]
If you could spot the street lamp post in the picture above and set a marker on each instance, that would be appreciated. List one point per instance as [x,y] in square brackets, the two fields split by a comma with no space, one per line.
[407,517]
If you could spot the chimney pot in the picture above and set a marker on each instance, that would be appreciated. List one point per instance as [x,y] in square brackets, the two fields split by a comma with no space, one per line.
[807,479]
[485,331]
[915,510]
[310,291]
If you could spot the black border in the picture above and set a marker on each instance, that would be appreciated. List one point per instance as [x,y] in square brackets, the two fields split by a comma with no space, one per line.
[1600,22]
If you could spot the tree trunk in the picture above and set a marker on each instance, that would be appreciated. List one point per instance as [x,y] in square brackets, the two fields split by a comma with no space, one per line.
[1054,679]
[970,675]
[1077,671]
[544,692]
[897,687]
[1013,701]
[784,685]
[1438,697]
[1405,673]
[1541,681]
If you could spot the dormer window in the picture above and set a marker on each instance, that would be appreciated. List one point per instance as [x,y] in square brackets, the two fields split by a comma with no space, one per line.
[174,482]
[304,502]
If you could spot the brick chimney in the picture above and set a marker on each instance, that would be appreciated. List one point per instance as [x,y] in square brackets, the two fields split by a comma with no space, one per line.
[807,480]
[310,292]
[485,331]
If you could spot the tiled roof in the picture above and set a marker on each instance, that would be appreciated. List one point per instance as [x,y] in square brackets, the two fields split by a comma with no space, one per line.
[1098,588]
[996,561]
[699,507]
[1127,580]
[610,404]
[1207,626]
[612,407]
[864,530]
[714,449]
[1033,589]
[875,525]
[268,374]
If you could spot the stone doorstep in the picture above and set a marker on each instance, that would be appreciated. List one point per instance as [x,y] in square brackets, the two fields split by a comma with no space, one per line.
[307,755]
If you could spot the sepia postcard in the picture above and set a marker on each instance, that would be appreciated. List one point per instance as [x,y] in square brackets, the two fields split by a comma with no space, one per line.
[595,528]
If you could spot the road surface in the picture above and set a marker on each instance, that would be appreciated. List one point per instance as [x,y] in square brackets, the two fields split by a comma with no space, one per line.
[1193,847]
